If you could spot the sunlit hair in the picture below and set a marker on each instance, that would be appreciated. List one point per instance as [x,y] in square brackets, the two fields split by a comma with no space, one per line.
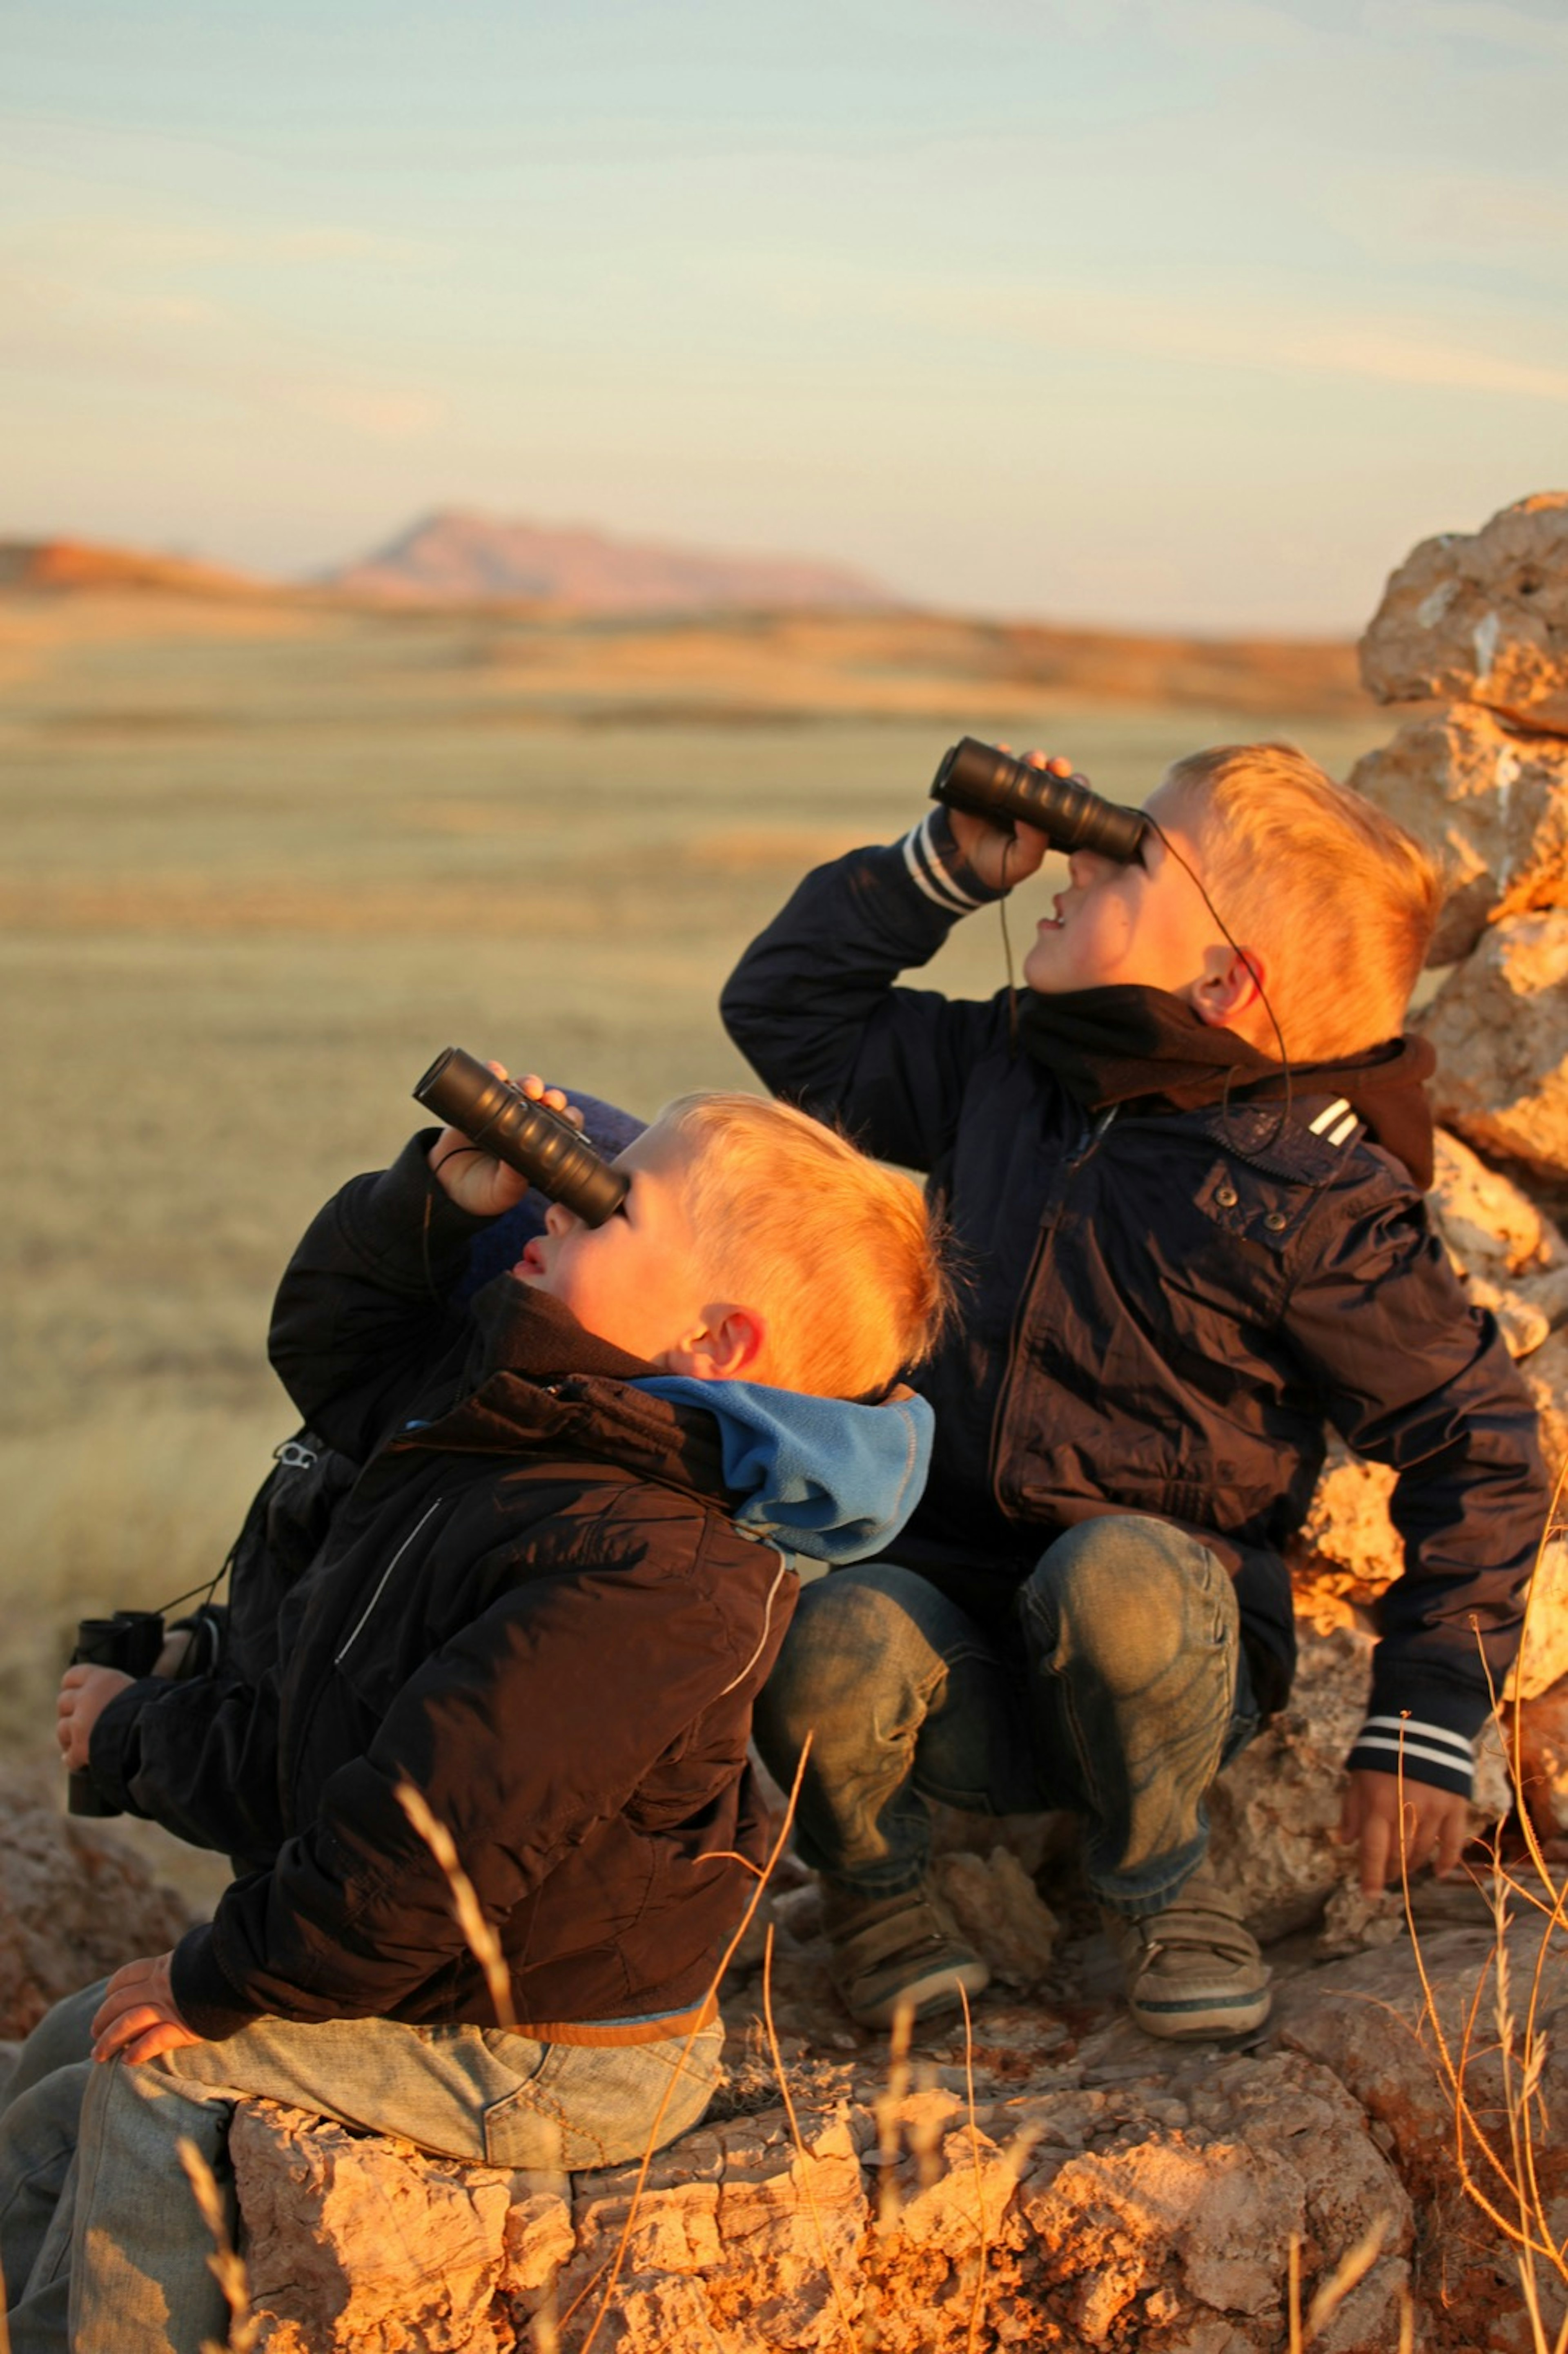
[1338,900]
[838,1253]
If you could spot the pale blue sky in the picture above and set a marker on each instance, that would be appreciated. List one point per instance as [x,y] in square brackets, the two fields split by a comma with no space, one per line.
[1195,314]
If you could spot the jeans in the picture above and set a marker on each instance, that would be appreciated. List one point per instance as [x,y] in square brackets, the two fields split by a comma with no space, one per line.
[1119,1698]
[103,2249]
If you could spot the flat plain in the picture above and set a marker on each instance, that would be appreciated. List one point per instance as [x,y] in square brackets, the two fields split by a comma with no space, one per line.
[264,856]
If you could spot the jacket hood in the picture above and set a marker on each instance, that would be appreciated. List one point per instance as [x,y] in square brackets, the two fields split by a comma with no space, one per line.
[818,1475]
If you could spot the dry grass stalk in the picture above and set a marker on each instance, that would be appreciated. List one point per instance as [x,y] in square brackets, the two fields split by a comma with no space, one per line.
[1507,2187]
[228,2266]
[1348,2275]
[889,2205]
[763,1877]
[976,2310]
[482,1940]
[806,2157]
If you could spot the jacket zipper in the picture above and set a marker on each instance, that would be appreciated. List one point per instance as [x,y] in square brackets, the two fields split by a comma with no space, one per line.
[1089,1146]
[339,1657]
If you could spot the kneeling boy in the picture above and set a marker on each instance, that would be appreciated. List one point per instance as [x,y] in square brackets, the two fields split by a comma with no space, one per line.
[1184,1263]
[547,1604]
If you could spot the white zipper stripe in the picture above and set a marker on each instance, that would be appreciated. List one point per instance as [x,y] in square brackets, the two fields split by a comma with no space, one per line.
[1331,1112]
[381,1583]
[1346,1129]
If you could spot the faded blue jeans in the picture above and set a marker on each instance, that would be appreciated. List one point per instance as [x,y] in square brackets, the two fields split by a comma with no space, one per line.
[1118,1696]
[103,2249]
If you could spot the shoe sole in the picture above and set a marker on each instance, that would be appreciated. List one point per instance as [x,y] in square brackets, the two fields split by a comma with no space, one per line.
[1200,2014]
[926,1997]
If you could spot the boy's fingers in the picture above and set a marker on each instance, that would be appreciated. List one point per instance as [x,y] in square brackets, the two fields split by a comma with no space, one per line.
[1376,1844]
[150,2044]
[1452,1826]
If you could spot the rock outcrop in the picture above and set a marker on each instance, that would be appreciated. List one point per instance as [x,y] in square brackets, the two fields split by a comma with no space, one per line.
[1489,802]
[75,1903]
[1057,2181]
[1499,1028]
[1483,620]
[1480,618]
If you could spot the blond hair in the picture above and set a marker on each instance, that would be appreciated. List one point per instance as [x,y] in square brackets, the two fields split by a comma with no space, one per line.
[839,1254]
[1339,902]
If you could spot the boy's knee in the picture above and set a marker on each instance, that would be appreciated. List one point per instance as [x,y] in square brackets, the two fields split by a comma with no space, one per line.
[855,1634]
[1128,1596]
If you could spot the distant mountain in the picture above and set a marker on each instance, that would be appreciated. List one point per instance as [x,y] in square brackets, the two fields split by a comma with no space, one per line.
[458,558]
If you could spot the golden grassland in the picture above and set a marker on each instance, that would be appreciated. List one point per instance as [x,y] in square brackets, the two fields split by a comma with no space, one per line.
[265,855]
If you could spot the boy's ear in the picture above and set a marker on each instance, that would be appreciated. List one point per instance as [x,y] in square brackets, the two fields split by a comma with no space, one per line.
[1231,988]
[727,1349]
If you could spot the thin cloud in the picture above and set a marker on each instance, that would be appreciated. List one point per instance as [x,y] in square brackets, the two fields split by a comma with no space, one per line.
[1490,22]
[1237,333]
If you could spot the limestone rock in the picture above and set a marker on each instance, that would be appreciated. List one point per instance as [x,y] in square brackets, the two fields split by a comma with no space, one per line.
[1347,1549]
[1500,1026]
[75,1903]
[1481,617]
[1542,1659]
[1275,1811]
[998,1909]
[353,2242]
[1367,2021]
[1545,1375]
[1510,1256]
[1032,2192]
[1543,1761]
[1276,1808]
[1490,805]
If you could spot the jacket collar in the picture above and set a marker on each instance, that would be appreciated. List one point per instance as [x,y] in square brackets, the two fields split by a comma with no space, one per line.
[1121,1045]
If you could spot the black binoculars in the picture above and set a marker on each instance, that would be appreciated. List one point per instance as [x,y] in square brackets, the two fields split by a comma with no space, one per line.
[538,1144]
[130,1641]
[986,783]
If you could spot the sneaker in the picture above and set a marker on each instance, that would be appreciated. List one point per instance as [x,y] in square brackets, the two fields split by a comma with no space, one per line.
[1194,1968]
[890,1952]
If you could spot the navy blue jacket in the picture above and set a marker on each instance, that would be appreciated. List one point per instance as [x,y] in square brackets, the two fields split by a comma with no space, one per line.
[1163,1311]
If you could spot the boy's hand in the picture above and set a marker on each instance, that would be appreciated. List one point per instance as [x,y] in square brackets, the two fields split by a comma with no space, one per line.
[1001,858]
[474,1178]
[137,2019]
[85,1693]
[1436,1823]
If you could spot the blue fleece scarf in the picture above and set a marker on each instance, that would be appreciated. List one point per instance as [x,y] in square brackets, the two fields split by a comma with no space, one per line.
[818,1476]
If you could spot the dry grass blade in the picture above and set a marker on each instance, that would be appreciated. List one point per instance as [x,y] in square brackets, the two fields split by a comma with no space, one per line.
[976,2310]
[1518,2206]
[763,1877]
[1348,2276]
[806,2157]
[226,2265]
[482,1942]
[886,2110]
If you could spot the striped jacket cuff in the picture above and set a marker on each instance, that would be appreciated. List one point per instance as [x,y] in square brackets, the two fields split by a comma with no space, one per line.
[1420,1750]
[933,859]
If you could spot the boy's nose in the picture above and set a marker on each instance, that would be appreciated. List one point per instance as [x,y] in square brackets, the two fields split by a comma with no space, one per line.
[556,1218]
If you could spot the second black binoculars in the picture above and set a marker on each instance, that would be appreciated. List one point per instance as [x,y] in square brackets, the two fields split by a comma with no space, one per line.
[129,1640]
[538,1144]
[985,782]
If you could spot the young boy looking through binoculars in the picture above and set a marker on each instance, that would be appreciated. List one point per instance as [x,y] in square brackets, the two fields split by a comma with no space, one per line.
[558,1568]
[1184,1172]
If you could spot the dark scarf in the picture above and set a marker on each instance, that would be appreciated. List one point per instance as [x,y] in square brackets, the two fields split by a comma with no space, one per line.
[1121,1045]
